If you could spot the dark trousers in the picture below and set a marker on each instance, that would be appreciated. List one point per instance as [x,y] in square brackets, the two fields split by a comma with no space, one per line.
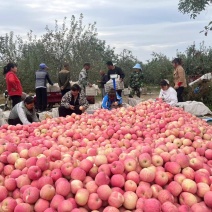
[119,92]
[41,98]
[63,92]
[18,121]
[15,100]
[103,92]
[179,94]
[63,112]
[135,91]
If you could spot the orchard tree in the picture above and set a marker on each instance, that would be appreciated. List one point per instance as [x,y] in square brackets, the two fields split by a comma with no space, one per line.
[158,68]
[197,61]
[126,61]
[71,42]
[194,8]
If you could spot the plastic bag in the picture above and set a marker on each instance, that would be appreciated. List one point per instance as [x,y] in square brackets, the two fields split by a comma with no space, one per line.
[55,112]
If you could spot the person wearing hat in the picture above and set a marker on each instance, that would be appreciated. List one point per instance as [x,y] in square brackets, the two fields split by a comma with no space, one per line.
[167,93]
[41,76]
[135,81]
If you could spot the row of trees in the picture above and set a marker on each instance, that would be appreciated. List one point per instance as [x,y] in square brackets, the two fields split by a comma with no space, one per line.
[197,60]
[72,42]
[76,43]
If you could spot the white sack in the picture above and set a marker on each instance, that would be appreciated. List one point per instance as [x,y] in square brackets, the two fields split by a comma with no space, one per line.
[195,108]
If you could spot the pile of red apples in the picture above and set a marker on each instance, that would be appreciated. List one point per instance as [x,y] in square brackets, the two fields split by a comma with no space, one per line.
[150,158]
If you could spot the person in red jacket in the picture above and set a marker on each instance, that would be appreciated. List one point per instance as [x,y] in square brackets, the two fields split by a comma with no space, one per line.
[14,86]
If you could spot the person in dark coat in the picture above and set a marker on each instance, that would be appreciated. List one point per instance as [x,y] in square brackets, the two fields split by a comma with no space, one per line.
[135,81]
[112,69]
[104,79]
[74,101]
[64,79]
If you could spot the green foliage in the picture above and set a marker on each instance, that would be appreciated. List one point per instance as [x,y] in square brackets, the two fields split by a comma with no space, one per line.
[203,93]
[73,43]
[126,61]
[157,69]
[194,8]
[197,61]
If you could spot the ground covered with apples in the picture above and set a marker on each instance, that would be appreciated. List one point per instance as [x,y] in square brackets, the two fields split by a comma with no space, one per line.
[150,158]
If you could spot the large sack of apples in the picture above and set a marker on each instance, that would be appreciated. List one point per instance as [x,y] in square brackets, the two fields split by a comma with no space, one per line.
[150,158]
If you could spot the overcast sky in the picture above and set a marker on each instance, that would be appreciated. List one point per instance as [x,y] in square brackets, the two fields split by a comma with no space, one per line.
[142,26]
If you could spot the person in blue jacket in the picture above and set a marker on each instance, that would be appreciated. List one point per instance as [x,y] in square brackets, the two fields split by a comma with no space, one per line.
[111,100]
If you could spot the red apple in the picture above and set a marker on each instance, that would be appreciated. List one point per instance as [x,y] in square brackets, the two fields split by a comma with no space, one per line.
[189,185]
[63,187]
[41,205]
[47,192]
[187,198]
[94,202]
[152,205]
[104,192]
[31,195]
[116,199]
[145,160]
[82,196]
[34,172]
[208,198]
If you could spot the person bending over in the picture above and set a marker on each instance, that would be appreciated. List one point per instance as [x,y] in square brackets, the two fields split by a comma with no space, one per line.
[167,93]
[23,112]
[74,101]
[111,100]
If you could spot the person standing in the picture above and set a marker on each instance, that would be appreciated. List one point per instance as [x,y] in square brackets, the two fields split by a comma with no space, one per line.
[64,79]
[103,81]
[112,69]
[42,76]
[179,78]
[136,81]
[14,86]
[83,76]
